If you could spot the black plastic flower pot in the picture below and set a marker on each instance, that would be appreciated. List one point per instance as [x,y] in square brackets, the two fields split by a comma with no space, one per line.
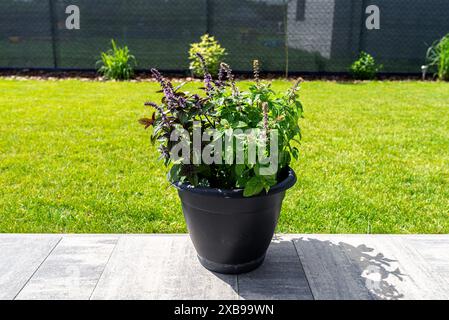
[231,233]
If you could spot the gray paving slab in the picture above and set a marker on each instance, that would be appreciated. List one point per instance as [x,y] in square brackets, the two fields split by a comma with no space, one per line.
[331,273]
[72,270]
[434,249]
[372,267]
[423,278]
[166,267]
[20,256]
[160,267]
[281,276]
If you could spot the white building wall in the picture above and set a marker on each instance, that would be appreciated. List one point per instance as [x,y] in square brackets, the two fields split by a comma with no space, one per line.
[314,33]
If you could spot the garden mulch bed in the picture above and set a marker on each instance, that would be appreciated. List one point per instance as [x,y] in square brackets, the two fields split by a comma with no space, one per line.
[146,76]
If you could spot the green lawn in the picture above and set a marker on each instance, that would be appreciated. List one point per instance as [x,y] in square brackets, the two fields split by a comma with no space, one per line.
[375,158]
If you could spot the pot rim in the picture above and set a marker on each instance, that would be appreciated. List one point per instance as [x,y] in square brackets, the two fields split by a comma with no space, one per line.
[285,184]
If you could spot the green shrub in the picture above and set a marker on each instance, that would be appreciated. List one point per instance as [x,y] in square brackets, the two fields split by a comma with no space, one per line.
[117,63]
[212,52]
[438,57]
[365,67]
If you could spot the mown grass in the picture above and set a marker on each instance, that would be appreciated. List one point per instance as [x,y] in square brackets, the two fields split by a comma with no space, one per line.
[374,158]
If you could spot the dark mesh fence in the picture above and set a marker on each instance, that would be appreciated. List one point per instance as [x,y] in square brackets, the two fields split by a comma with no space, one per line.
[298,35]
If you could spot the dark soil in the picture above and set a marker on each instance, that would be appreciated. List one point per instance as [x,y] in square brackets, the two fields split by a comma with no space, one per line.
[146,75]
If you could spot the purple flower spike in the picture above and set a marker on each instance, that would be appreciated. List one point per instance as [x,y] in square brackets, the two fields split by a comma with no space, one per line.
[207,77]
[220,83]
[160,110]
[157,76]
[228,70]
[165,153]
[167,88]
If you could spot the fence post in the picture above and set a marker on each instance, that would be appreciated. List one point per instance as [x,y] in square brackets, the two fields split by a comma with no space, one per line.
[286,38]
[362,26]
[208,16]
[53,32]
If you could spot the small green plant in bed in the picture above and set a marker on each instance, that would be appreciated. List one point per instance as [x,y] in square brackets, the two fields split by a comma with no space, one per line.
[365,67]
[212,52]
[117,63]
[438,57]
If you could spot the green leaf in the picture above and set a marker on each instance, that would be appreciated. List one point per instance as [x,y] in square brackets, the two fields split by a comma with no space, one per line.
[240,124]
[224,123]
[253,187]
[295,152]
[270,180]
[193,179]
[239,169]
[174,172]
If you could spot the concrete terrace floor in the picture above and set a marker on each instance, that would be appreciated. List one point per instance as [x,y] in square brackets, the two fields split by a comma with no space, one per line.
[51,266]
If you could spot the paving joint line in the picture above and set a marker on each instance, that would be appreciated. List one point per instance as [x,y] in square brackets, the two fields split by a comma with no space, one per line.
[303,270]
[105,265]
[37,269]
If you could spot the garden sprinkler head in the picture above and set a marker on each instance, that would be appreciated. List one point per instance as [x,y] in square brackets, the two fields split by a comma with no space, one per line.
[424,69]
